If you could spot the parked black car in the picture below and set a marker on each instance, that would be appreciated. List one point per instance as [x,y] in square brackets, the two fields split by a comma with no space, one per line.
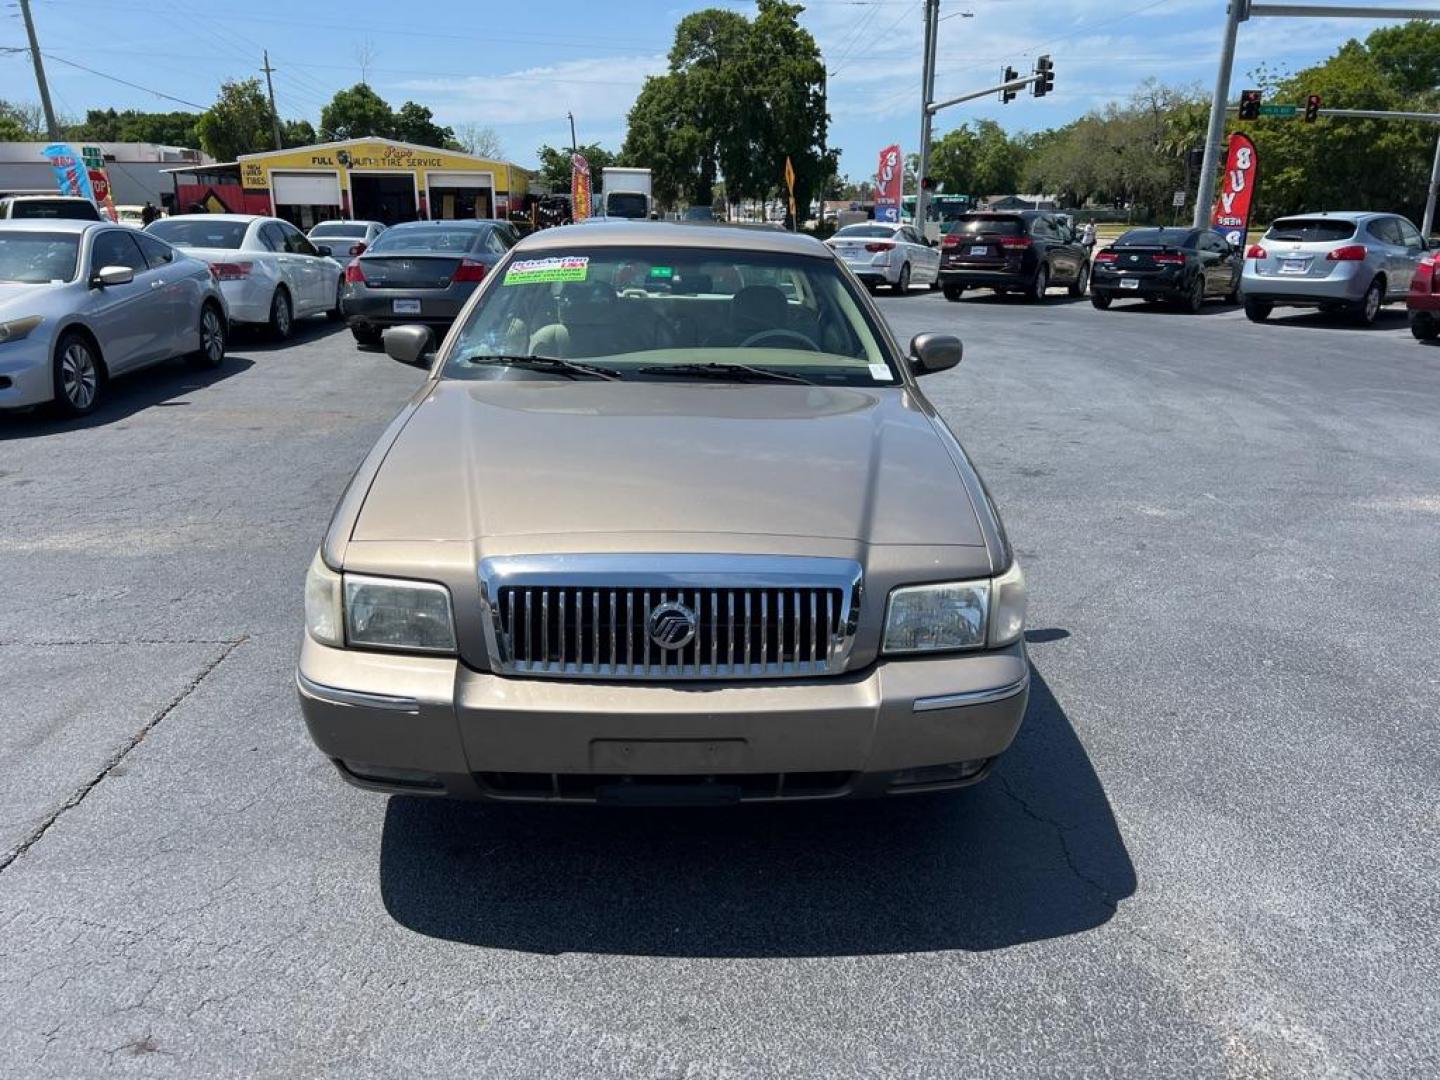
[420,272]
[1183,266]
[1027,252]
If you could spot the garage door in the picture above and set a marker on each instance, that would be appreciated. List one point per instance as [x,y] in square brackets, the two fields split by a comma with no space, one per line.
[305,189]
[460,180]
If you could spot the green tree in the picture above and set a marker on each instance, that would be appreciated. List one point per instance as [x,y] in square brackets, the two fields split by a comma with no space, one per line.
[555,166]
[132,125]
[238,123]
[1408,56]
[415,123]
[297,133]
[20,123]
[357,113]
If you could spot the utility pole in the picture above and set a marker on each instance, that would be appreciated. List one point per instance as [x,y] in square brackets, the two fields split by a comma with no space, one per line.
[1429,222]
[274,115]
[51,127]
[927,96]
[574,146]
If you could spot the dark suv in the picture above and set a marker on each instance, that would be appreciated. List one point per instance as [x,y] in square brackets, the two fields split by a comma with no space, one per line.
[1027,252]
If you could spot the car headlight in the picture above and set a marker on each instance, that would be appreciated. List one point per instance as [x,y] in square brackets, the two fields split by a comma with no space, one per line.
[377,613]
[956,615]
[16,329]
[385,613]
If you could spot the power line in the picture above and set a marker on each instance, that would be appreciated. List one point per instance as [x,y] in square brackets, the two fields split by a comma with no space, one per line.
[124,82]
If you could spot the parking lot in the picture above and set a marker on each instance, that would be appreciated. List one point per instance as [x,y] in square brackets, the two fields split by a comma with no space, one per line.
[1213,847]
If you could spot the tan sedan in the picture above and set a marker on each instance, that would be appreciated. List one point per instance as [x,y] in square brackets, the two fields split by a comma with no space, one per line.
[669,521]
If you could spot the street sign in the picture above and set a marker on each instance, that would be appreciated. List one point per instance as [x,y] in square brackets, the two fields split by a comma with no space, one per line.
[1279,110]
[1179,199]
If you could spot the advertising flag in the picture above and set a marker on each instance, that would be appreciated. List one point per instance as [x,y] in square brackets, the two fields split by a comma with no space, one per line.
[71,176]
[579,187]
[1231,215]
[889,177]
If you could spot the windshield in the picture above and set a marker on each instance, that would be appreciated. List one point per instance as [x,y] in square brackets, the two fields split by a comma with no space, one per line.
[196,231]
[632,307]
[37,258]
[970,225]
[75,209]
[428,238]
[347,229]
[867,231]
[1311,230]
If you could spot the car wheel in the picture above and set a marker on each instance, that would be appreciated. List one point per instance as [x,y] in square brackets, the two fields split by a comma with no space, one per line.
[902,286]
[365,335]
[1101,300]
[1258,310]
[211,353]
[79,378]
[1369,308]
[334,313]
[1195,295]
[282,316]
[1036,292]
[1081,283]
[954,292]
[1424,326]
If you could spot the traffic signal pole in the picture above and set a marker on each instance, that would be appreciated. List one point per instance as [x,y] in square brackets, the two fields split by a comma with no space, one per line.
[927,96]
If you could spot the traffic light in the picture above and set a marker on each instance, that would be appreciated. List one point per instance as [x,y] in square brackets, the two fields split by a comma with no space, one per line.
[1312,108]
[1250,105]
[1007,96]
[1045,70]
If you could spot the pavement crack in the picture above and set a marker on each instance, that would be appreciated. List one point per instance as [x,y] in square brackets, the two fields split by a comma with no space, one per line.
[1060,834]
[78,796]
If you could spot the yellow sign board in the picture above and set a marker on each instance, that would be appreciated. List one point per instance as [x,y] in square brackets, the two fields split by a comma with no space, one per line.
[376,155]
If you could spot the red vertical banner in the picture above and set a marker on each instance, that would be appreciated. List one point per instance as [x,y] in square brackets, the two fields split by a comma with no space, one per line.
[1231,215]
[889,176]
[579,188]
[100,184]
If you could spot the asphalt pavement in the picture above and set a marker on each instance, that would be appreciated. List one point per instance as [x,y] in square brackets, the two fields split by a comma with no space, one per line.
[1211,851]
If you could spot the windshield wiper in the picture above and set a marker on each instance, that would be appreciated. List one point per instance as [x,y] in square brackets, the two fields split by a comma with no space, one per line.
[723,371]
[569,368]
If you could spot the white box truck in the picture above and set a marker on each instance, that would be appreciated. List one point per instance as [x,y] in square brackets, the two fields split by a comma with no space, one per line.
[628,193]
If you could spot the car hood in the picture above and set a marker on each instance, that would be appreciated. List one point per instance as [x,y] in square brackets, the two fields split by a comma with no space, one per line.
[510,459]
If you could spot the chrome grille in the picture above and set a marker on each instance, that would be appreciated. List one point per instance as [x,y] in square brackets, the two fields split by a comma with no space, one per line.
[752,617]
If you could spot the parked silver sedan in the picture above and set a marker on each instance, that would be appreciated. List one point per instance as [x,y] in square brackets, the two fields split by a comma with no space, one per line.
[82,302]
[884,254]
[1336,261]
[270,273]
[345,239]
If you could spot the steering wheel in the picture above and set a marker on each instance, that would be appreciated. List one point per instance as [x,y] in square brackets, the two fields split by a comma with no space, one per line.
[787,335]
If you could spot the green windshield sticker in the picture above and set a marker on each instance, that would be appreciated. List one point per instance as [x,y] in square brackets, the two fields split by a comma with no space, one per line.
[662,273]
[555,268]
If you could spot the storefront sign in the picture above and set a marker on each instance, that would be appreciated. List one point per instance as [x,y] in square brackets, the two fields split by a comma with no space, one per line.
[1231,215]
[889,177]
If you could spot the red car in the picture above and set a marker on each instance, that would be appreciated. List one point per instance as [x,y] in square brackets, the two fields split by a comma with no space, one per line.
[1424,300]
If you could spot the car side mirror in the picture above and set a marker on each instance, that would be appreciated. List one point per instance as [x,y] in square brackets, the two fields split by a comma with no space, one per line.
[930,353]
[409,344]
[323,249]
[113,275]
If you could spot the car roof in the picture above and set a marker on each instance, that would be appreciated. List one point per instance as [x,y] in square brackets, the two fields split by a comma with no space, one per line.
[247,218]
[447,223]
[42,195]
[342,221]
[74,225]
[1339,215]
[673,234]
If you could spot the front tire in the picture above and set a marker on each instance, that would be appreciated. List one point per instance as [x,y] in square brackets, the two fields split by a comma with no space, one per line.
[1101,300]
[365,336]
[1258,310]
[211,353]
[1424,326]
[1036,292]
[78,377]
[902,286]
[282,316]
[1369,308]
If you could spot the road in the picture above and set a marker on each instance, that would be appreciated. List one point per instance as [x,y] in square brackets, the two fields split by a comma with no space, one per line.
[1212,850]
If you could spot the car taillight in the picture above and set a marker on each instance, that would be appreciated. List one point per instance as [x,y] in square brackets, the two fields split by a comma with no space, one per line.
[1348,253]
[1015,241]
[1173,260]
[1106,256]
[226,271]
[469,270]
[949,240]
[354,275]
[357,249]
[880,245]
[1424,280]
[1255,251]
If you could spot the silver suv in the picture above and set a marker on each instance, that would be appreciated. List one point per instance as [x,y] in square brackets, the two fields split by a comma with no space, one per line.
[1340,261]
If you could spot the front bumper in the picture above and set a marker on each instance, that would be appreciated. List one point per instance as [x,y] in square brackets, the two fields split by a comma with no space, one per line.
[428,725]
[1345,284]
[26,375]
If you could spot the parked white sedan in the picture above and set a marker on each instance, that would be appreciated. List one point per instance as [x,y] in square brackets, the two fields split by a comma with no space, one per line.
[883,254]
[345,239]
[270,273]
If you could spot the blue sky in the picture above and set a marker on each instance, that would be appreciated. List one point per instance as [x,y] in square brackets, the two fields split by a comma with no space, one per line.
[520,65]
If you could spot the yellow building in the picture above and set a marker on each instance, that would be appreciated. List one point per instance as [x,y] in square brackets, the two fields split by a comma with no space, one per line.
[379,180]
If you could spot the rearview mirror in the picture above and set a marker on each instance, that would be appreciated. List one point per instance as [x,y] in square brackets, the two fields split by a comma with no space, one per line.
[930,353]
[409,344]
[323,249]
[114,275]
